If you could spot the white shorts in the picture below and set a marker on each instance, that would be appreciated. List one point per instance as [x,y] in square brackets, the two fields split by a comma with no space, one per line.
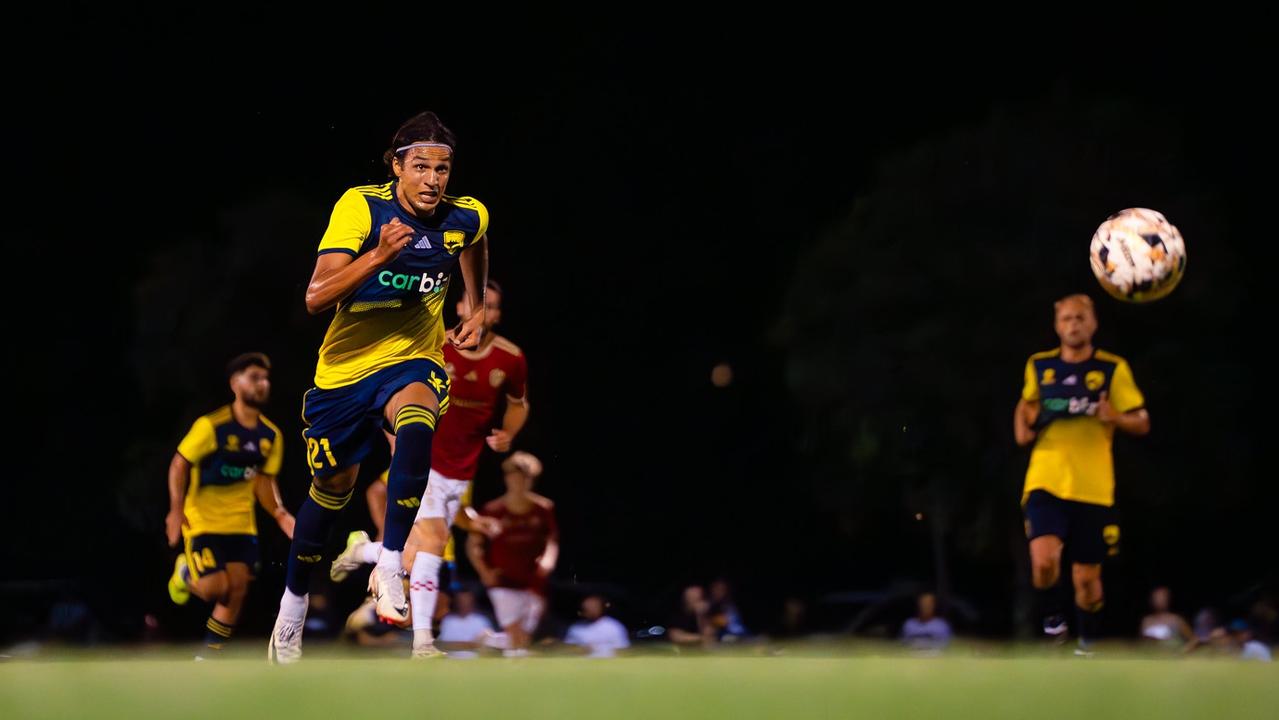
[442,499]
[517,606]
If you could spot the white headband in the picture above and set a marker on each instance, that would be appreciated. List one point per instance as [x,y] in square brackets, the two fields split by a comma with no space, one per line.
[424,145]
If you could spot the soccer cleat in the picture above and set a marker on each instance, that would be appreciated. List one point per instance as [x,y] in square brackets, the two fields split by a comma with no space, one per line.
[388,595]
[179,593]
[349,561]
[427,652]
[285,647]
[1055,626]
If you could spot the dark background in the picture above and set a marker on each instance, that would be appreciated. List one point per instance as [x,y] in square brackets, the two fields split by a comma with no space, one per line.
[868,223]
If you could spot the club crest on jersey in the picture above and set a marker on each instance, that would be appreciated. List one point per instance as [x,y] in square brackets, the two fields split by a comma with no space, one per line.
[233,443]
[1049,378]
[454,240]
[1095,379]
[1110,534]
[265,445]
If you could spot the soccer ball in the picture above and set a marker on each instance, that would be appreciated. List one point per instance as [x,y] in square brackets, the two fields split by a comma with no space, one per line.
[1137,255]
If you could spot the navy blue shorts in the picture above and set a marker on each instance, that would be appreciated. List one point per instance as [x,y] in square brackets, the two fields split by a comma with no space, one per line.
[342,423]
[209,553]
[1091,532]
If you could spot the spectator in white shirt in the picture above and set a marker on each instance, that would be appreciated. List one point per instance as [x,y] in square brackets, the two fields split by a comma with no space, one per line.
[600,635]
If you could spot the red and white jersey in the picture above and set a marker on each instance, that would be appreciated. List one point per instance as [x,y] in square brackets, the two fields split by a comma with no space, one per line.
[514,552]
[477,381]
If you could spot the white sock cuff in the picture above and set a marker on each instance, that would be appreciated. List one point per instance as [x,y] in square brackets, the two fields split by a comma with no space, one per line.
[370,551]
[390,558]
[425,565]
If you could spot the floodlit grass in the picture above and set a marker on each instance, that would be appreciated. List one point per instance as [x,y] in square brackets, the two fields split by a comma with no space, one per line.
[800,682]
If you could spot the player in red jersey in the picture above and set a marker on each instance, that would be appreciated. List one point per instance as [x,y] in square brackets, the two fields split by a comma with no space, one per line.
[515,564]
[479,380]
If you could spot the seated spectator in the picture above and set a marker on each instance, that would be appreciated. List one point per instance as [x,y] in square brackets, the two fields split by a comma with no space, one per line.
[926,631]
[1163,625]
[724,617]
[1249,647]
[600,635]
[691,625]
[464,629]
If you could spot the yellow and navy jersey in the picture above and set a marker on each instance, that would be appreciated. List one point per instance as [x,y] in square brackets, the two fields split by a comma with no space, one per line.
[1071,458]
[225,456]
[395,315]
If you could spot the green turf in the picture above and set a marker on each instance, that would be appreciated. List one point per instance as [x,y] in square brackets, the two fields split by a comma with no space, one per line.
[370,688]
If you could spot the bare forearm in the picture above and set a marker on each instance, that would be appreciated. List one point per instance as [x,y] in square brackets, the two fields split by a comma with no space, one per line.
[474,266]
[514,418]
[179,474]
[328,288]
[1023,421]
[549,557]
[475,553]
[268,493]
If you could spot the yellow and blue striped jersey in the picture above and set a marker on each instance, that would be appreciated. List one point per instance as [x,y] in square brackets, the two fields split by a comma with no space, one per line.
[395,315]
[1072,454]
[224,457]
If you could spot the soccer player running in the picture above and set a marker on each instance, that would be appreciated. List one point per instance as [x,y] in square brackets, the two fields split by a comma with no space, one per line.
[384,263]
[479,381]
[515,564]
[228,458]
[1073,399]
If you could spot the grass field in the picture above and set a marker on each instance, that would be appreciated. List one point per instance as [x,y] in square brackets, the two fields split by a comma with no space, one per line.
[961,685]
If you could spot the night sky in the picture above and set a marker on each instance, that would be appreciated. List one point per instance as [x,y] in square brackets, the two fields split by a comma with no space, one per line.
[870,229]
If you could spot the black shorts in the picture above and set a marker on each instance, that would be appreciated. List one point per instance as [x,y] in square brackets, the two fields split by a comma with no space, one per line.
[1090,531]
[209,553]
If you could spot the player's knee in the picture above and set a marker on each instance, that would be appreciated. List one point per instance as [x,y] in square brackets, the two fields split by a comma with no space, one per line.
[213,587]
[238,586]
[428,538]
[1044,572]
[1089,597]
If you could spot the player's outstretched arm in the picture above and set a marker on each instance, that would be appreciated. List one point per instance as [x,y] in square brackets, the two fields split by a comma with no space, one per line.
[474,266]
[337,274]
[1024,421]
[179,476]
[268,493]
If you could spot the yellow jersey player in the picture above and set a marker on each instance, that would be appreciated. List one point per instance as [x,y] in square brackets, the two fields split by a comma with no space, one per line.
[384,264]
[228,458]
[1073,399]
